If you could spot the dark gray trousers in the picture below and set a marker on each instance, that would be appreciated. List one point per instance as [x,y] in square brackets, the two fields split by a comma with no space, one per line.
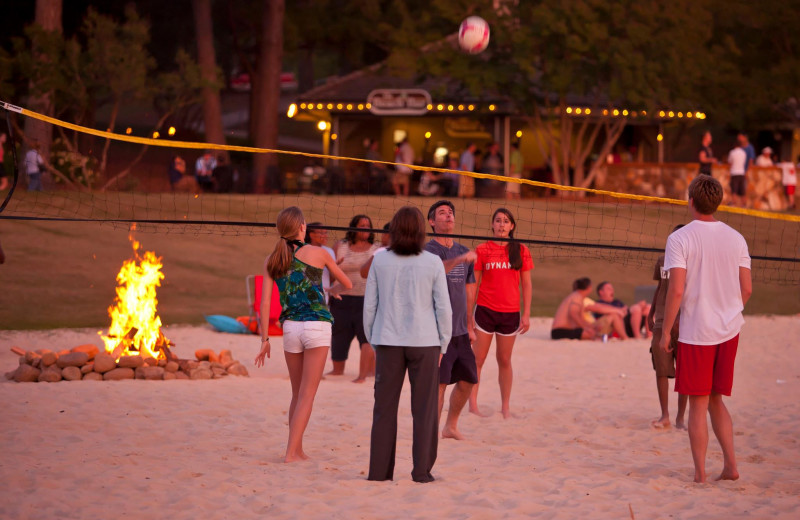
[391,363]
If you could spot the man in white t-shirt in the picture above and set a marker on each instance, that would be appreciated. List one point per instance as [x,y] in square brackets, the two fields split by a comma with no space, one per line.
[789,171]
[737,159]
[709,271]
[401,182]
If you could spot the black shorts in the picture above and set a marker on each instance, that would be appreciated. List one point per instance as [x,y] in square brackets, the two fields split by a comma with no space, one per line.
[566,333]
[491,322]
[628,327]
[348,323]
[738,185]
[458,363]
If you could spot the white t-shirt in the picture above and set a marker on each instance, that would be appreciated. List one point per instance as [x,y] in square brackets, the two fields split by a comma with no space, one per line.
[33,161]
[737,158]
[789,173]
[326,275]
[382,248]
[405,155]
[763,161]
[711,253]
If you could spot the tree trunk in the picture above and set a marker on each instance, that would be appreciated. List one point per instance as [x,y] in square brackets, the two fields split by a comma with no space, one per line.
[266,93]
[48,16]
[212,108]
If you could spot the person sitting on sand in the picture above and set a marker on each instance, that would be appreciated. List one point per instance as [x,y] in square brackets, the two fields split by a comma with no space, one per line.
[574,320]
[664,362]
[297,269]
[632,316]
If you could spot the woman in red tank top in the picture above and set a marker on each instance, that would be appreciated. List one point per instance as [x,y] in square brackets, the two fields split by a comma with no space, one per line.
[502,272]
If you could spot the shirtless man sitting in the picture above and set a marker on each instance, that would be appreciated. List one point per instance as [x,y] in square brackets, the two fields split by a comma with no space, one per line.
[633,316]
[574,320]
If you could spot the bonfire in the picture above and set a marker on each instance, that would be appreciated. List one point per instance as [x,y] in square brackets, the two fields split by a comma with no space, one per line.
[135,326]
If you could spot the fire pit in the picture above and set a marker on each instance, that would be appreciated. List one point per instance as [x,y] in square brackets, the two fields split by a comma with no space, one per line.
[135,347]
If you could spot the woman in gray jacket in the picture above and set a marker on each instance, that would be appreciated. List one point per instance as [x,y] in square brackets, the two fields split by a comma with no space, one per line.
[408,320]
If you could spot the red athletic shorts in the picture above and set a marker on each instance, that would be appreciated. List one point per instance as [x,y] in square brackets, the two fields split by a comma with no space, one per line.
[705,369]
[790,190]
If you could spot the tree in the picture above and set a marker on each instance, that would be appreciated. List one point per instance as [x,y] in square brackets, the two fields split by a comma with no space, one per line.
[212,108]
[48,19]
[107,64]
[550,54]
[266,91]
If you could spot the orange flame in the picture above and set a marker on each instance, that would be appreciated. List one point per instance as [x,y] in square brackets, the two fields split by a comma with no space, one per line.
[135,326]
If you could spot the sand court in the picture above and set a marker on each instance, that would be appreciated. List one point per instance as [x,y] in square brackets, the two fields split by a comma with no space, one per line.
[581,445]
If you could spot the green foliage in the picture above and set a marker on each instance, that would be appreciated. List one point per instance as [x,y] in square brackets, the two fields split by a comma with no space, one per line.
[74,167]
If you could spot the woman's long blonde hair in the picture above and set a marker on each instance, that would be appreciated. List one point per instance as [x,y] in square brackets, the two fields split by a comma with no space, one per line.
[289,222]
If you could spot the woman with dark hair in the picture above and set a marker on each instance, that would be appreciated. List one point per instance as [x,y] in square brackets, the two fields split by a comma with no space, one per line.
[297,270]
[347,305]
[408,318]
[316,236]
[500,270]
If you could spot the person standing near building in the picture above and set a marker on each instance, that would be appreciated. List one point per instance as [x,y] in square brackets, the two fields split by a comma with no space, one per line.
[765,159]
[789,171]
[493,164]
[706,155]
[744,142]
[203,170]
[34,164]
[401,182]
[513,189]
[737,159]
[377,171]
[466,163]
[709,283]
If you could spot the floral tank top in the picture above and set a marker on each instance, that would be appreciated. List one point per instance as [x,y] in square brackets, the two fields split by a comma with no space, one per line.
[302,298]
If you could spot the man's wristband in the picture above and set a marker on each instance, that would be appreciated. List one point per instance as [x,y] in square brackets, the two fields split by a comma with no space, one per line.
[264,339]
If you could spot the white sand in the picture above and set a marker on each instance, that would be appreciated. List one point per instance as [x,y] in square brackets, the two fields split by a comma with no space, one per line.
[581,447]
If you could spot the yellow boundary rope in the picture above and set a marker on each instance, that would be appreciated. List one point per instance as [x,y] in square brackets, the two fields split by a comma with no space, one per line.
[249,149]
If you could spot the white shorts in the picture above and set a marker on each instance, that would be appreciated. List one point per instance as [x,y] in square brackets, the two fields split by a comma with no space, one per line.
[301,335]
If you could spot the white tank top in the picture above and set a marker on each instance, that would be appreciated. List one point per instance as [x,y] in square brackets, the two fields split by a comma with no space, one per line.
[350,262]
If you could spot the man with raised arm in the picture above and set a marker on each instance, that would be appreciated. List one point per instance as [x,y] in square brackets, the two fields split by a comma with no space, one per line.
[709,273]
[458,366]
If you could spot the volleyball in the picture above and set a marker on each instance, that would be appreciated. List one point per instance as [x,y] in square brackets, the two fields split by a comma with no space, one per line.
[473,35]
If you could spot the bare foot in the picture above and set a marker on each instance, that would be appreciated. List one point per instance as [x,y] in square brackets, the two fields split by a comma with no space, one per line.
[699,478]
[360,380]
[679,424]
[660,424]
[728,474]
[452,433]
[478,412]
[294,458]
[335,373]
[508,414]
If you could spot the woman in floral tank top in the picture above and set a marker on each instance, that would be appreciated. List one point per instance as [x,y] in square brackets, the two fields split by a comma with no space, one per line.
[297,270]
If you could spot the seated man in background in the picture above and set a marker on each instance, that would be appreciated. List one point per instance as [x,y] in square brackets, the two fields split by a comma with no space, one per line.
[574,319]
[633,316]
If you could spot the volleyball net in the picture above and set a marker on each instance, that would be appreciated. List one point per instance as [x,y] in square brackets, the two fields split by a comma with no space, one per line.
[117,179]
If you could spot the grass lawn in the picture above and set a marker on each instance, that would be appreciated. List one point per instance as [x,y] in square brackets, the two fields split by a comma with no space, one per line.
[62,274]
